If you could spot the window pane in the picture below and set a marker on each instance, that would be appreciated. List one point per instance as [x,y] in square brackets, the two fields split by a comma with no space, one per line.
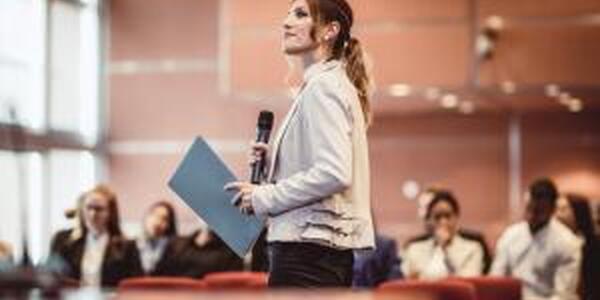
[74,68]
[22,53]
[22,187]
[9,203]
[71,173]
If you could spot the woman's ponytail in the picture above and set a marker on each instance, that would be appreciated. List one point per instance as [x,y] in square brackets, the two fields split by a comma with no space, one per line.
[357,72]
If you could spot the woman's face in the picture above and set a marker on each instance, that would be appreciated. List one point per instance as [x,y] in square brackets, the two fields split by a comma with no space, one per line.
[443,216]
[96,212]
[157,222]
[297,28]
[564,213]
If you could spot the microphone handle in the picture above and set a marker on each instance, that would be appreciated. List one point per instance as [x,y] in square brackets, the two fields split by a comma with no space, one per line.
[258,166]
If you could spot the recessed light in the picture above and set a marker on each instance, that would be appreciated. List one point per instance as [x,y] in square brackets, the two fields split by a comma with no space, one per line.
[449,101]
[400,90]
[466,107]
[552,90]
[432,93]
[575,105]
[411,189]
[509,87]
[564,98]
[495,22]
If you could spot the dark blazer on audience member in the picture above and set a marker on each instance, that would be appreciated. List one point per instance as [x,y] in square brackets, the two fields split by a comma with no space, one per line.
[469,235]
[183,257]
[121,258]
[371,268]
[591,270]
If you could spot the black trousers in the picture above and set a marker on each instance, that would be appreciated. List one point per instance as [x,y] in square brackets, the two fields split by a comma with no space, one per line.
[308,265]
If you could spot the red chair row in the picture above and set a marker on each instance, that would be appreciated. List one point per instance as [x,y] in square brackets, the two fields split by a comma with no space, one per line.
[216,281]
[476,288]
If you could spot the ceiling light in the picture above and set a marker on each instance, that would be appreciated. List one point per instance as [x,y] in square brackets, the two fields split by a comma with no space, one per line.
[552,90]
[411,189]
[509,87]
[466,107]
[564,98]
[432,93]
[575,105]
[495,22]
[400,90]
[449,101]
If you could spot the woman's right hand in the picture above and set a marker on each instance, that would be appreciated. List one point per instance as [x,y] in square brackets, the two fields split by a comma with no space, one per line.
[257,151]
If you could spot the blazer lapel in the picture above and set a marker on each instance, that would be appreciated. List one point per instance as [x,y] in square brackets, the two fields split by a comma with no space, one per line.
[321,67]
[281,133]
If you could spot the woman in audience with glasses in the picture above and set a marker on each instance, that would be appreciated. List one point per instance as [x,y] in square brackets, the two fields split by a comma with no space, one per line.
[575,212]
[95,252]
[445,253]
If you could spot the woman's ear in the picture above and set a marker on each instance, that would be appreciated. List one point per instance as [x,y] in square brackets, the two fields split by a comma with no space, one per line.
[333,30]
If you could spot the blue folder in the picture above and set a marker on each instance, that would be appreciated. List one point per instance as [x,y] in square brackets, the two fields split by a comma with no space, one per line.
[199,181]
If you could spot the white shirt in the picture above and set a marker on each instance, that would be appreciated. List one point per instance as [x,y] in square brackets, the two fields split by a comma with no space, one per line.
[548,263]
[151,252]
[93,257]
[428,260]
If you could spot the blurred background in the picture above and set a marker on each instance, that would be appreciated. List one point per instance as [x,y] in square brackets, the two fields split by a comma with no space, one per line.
[479,96]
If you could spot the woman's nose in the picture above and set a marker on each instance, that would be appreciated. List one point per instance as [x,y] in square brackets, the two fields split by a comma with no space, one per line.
[287,22]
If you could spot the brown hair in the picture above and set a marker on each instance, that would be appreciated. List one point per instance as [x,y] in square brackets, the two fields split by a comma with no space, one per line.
[113,227]
[171,230]
[345,46]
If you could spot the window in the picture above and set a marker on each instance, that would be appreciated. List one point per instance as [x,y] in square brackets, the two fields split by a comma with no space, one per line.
[49,87]
[22,53]
[74,57]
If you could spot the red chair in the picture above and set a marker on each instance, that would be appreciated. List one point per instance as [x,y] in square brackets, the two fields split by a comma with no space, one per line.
[236,280]
[429,290]
[68,283]
[161,283]
[494,288]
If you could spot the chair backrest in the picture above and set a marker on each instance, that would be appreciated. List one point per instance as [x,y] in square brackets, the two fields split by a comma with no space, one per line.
[494,288]
[161,283]
[429,290]
[236,280]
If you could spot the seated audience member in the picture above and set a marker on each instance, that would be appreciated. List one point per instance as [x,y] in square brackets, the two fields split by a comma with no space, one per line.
[201,253]
[540,251]
[158,239]
[6,256]
[444,253]
[371,268]
[95,252]
[597,217]
[469,234]
[574,211]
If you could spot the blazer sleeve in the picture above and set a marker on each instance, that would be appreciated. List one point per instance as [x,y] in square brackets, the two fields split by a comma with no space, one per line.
[328,130]
[500,265]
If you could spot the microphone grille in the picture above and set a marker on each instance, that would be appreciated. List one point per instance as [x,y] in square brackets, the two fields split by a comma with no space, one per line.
[265,120]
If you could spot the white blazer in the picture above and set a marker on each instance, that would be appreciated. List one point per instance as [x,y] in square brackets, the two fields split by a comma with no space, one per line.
[318,185]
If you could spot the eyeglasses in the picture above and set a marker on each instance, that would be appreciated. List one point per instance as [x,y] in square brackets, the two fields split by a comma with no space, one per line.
[442,215]
[96,208]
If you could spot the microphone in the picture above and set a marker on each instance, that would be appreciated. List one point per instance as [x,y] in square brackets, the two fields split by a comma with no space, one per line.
[263,131]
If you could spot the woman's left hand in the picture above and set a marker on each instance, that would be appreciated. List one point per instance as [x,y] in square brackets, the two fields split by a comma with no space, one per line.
[243,198]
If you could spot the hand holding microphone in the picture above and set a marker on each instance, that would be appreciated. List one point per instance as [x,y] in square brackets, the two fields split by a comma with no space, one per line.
[257,161]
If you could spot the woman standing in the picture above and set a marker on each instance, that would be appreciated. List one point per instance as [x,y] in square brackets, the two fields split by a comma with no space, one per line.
[316,194]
